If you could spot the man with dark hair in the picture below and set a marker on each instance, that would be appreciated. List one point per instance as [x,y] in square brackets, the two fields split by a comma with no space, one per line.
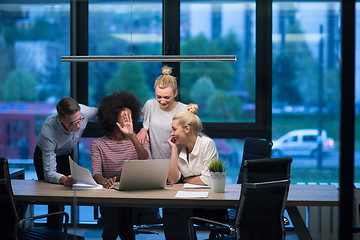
[58,137]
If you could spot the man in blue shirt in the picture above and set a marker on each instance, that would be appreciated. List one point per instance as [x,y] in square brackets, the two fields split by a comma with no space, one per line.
[58,137]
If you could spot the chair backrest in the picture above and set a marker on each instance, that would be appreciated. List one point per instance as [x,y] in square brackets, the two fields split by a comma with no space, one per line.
[263,198]
[254,149]
[9,217]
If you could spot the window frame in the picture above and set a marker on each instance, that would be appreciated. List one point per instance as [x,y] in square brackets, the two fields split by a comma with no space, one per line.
[261,128]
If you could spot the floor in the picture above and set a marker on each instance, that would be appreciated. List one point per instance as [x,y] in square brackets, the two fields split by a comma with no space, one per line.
[95,234]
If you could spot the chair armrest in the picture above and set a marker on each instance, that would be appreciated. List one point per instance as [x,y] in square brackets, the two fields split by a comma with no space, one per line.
[22,221]
[265,184]
[192,233]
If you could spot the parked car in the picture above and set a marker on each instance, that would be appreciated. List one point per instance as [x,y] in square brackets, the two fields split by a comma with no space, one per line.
[302,142]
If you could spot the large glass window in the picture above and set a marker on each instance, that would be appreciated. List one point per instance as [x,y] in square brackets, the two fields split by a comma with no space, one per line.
[126,28]
[306,88]
[357,93]
[305,73]
[225,91]
[33,37]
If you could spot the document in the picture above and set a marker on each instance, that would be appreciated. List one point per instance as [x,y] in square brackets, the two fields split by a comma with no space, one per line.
[188,194]
[190,185]
[83,178]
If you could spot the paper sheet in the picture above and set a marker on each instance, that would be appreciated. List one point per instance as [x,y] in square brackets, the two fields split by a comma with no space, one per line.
[79,186]
[189,185]
[82,176]
[188,194]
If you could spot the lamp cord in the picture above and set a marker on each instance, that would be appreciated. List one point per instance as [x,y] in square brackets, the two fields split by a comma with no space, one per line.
[131,28]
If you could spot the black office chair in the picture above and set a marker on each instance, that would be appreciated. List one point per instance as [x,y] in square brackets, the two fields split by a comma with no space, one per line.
[254,148]
[261,205]
[11,226]
[356,229]
[146,219]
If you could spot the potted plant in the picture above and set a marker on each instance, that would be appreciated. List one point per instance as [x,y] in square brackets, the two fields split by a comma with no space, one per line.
[217,175]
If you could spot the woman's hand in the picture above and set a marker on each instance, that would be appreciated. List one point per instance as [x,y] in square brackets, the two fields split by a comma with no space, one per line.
[143,135]
[128,128]
[109,183]
[172,142]
[173,175]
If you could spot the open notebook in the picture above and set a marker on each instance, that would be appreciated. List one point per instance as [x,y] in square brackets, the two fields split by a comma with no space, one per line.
[144,174]
[83,178]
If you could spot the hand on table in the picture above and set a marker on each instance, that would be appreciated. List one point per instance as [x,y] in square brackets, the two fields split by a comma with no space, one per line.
[109,183]
[67,181]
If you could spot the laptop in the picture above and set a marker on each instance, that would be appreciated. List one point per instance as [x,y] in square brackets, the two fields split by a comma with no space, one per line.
[144,174]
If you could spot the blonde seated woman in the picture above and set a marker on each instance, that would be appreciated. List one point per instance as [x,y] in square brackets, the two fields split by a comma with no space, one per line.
[191,152]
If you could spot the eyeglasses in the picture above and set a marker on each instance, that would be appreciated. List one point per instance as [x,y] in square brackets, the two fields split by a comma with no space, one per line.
[76,122]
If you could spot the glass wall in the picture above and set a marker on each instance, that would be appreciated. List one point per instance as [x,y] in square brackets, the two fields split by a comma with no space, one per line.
[305,72]
[357,95]
[224,92]
[33,37]
[306,88]
[126,28]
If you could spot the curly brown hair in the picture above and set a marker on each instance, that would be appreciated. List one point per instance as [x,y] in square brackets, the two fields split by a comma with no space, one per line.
[111,105]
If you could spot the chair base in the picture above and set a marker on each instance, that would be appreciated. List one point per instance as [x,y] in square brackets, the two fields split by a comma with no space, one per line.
[43,233]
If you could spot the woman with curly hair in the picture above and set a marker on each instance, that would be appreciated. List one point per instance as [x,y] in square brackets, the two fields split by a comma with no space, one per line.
[116,114]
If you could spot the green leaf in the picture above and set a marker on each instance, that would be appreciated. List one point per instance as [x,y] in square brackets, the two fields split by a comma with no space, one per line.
[217,165]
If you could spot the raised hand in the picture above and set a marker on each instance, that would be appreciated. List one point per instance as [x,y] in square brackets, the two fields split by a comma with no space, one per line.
[128,128]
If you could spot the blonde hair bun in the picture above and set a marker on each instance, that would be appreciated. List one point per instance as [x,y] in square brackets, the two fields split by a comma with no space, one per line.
[166,70]
[193,108]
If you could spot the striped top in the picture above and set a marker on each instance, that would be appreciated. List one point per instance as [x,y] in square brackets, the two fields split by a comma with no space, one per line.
[107,156]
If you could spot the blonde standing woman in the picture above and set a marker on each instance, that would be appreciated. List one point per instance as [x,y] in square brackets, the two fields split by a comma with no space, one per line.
[157,115]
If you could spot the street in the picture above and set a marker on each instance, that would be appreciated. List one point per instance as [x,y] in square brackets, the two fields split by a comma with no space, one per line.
[330,160]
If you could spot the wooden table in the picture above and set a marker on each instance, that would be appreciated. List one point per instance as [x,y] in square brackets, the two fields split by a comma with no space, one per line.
[299,195]
[309,195]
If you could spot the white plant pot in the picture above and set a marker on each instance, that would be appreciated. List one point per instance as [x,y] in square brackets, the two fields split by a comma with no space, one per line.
[217,181]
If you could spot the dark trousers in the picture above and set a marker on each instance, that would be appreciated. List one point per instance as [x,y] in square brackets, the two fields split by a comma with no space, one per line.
[117,221]
[63,167]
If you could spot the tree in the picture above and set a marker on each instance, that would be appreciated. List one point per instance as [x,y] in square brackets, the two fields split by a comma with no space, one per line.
[200,91]
[221,73]
[332,90]
[295,71]
[19,86]
[223,106]
[285,88]
[250,77]
[129,77]
[305,66]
